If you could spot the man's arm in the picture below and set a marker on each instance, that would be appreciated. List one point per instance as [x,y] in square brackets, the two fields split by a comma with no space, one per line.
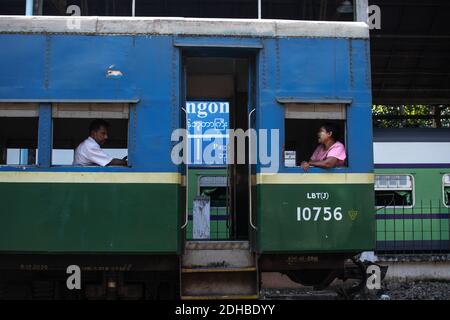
[98,156]
[118,162]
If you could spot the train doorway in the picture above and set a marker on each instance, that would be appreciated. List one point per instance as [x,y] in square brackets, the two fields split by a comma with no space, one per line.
[218,91]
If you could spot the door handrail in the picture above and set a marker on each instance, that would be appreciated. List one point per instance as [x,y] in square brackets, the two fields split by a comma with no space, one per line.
[186,179]
[250,171]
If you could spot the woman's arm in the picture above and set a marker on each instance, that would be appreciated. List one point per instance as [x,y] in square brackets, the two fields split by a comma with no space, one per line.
[328,163]
[306,164]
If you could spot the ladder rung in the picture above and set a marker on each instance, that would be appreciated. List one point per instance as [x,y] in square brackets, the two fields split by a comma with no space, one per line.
[195,270]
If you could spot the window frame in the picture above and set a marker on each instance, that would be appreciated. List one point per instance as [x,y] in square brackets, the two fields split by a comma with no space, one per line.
[54,110]
[443,185]
[413,190]
[210,175]
[286,103]
[45,138]
[24,110]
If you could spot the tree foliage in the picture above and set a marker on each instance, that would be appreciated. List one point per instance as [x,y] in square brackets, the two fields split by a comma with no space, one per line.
[411,116]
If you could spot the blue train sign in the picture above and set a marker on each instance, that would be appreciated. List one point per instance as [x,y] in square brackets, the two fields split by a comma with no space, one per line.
[207,125]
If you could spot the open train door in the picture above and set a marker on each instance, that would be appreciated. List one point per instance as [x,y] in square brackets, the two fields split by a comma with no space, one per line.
[219,263]
[210,79]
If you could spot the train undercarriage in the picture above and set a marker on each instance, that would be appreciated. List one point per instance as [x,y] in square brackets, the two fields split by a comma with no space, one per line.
[209,270]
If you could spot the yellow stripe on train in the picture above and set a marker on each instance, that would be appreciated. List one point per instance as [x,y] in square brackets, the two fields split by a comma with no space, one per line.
[90,177]
[315,178]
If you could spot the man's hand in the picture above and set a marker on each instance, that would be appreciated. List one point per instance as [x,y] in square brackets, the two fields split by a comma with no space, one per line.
[305,165]
[118,162]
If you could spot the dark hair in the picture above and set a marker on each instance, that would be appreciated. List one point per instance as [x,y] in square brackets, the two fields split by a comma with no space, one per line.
[97,124]
[333,128]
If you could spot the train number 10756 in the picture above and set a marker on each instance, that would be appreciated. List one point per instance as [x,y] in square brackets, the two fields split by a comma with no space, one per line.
[319,213]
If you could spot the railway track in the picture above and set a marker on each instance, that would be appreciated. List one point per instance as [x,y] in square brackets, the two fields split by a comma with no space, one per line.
[300,294]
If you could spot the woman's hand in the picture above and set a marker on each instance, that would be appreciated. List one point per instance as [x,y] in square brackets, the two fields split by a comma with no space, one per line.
[305,165]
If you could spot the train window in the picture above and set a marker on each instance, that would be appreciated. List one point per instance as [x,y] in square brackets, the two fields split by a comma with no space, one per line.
[446,189]
[214,187]
[302,121]
[71,127]
[394,190]
[18,134]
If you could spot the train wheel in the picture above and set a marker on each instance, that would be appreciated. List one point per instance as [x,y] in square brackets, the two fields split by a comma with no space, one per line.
[43,290]
[318,278]
[3,290]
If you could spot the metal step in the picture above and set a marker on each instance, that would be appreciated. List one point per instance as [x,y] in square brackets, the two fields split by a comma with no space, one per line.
[225,254]
[197,270]
[218,270]
[217,245]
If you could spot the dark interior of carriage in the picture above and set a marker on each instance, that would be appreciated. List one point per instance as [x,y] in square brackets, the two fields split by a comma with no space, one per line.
[68,133]
[301,136]
[224,76]
[393,198]
[271,9]
[16,134]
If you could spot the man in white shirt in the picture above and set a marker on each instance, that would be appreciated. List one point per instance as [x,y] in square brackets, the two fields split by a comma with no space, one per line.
[89,152]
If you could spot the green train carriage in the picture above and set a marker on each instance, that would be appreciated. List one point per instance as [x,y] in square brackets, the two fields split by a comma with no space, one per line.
[412,190]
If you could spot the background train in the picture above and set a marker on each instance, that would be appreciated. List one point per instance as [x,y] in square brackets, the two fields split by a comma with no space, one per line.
[412,189]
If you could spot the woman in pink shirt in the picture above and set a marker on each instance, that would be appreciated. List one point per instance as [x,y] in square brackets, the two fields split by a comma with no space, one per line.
[330,153]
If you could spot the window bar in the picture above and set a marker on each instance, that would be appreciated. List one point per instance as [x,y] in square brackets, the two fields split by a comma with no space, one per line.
[385,229]
[395,225]
[413,232]
[431,225]
[217,224]
[404,231]
[29,8]
[259,9]
[23,156]
[440,225]
[448,228]
[361,10]
[421,223]
[45,135]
